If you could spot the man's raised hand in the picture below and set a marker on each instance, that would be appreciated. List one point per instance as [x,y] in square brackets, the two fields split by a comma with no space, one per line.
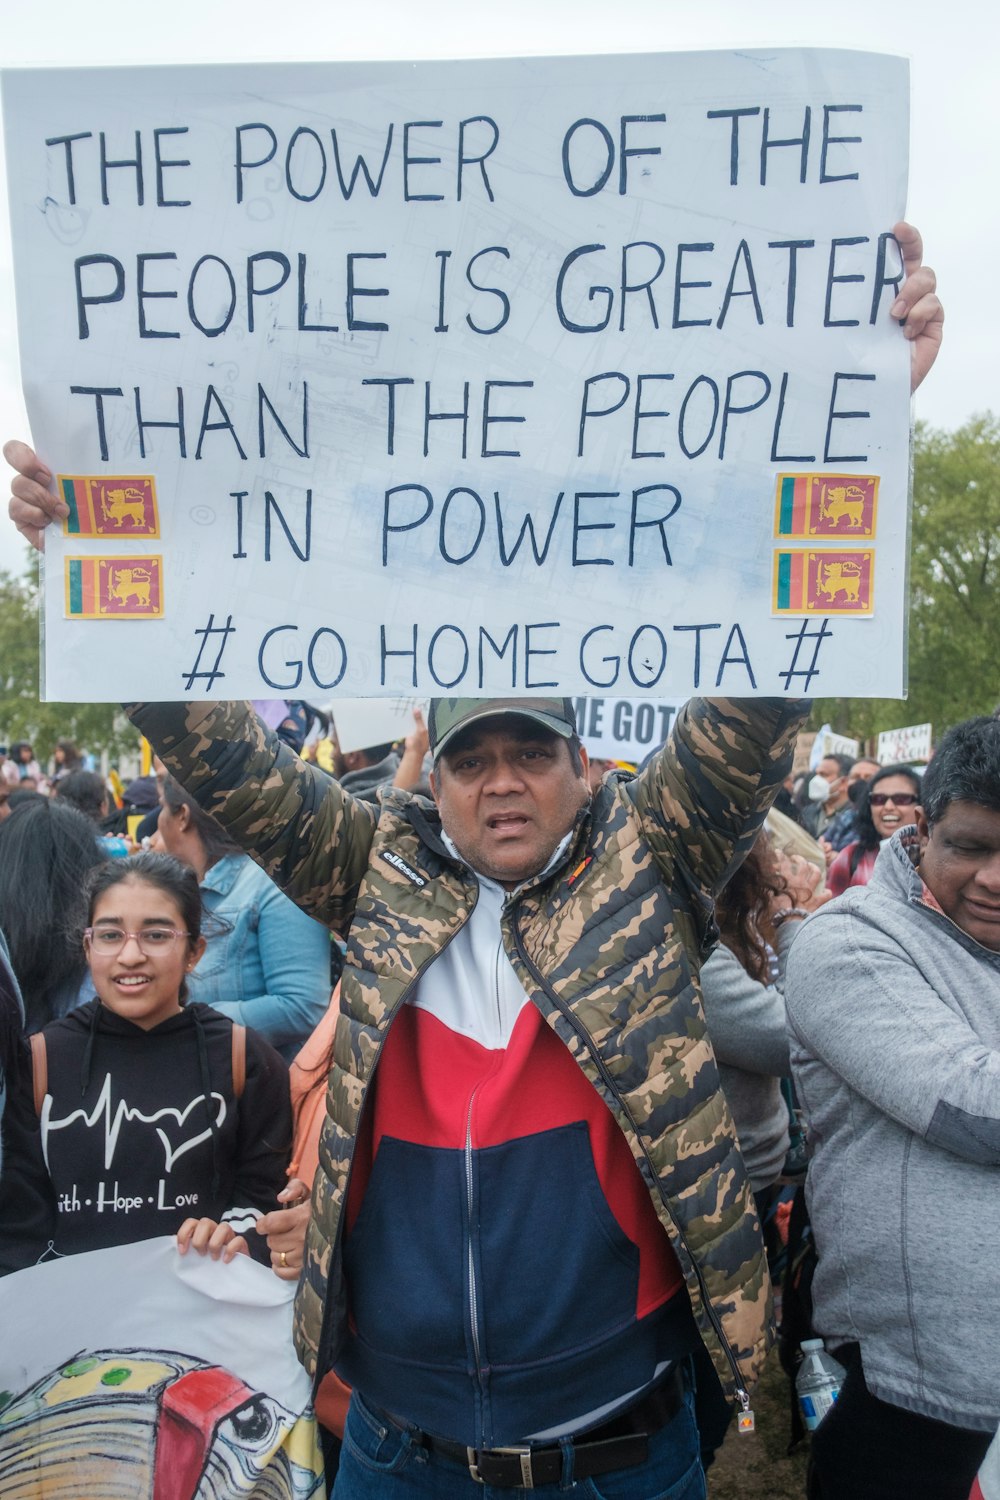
[917,307]
[32,503]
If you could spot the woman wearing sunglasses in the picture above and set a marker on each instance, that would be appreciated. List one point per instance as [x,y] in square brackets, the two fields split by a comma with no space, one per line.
[889,801]
[151,1116]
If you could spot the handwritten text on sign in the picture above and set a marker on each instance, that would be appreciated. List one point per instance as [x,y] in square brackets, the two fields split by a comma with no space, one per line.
[569,375]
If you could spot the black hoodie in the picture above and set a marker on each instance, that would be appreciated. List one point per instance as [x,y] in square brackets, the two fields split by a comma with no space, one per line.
[140,1130]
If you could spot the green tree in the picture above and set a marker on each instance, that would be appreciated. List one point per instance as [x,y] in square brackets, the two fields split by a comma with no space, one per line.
[93,726]
[954,588]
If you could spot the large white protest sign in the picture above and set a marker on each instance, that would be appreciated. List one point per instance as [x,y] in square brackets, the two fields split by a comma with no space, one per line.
[572,375]
[132,1371]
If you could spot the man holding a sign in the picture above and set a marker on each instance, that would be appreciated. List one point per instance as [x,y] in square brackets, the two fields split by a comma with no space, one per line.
[531,1203]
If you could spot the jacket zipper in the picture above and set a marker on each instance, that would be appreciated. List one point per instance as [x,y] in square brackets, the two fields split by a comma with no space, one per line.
[496,983]
[324,1333]
[471,1278]
[742,1395]
[470,1256]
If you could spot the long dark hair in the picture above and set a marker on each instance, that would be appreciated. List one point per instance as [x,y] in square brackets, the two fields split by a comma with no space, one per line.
[72,759]
[83,790]
[869,837]
[47,850]
[215,840]
[744,906]
[12,1048]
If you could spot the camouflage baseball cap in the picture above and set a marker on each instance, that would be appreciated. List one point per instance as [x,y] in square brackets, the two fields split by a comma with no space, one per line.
[448,715]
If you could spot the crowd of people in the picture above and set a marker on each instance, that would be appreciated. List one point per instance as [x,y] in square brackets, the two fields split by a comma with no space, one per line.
[519,1159]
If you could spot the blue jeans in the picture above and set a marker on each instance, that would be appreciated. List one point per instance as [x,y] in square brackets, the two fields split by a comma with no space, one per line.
[379,1462]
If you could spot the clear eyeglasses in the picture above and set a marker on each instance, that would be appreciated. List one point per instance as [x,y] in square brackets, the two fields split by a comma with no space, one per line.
[109,941]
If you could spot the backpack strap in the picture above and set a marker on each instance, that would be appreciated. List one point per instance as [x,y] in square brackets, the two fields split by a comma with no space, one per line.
[39,1070]
[40,1065]
[239,1059]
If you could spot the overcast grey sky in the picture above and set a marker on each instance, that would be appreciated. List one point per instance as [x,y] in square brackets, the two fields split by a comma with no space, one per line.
[952,51]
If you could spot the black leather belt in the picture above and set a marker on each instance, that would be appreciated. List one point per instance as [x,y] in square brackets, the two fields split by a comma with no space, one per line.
[620,1443]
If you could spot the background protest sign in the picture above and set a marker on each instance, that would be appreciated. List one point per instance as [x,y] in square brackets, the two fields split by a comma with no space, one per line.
[896,746]
[569,375]
[363,722]
[829,742]
[152,1376]
[625,729]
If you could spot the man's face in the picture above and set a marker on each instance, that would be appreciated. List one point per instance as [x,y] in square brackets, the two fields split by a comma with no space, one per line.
[597,772]
[862,770]
[161,773]
[960,865]
[831,772]
[507,795]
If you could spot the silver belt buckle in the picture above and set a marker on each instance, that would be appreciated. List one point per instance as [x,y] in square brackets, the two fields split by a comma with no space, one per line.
[523,1453]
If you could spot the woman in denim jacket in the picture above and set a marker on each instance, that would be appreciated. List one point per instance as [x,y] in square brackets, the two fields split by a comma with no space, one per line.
[267,964]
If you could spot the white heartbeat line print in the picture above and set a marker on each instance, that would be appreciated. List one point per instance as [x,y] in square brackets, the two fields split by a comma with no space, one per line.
[123,1112]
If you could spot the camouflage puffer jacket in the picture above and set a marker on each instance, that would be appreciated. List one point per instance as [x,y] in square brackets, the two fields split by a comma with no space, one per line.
[610,959]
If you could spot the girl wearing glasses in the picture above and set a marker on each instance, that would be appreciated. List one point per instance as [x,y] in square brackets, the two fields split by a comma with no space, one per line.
[889,801]
[152,1118]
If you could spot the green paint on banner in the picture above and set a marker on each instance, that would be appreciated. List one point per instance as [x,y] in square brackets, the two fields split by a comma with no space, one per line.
[73,519]
[75,588]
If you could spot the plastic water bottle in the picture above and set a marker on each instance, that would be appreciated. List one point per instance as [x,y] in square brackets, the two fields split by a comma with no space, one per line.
[817,1383]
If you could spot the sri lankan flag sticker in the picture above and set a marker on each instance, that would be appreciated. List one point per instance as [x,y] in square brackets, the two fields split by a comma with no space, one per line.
[114,588]
[826,505]
[109,505]
[823,583]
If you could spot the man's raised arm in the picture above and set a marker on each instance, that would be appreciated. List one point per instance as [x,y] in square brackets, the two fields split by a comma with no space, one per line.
[704,798]
[310,836]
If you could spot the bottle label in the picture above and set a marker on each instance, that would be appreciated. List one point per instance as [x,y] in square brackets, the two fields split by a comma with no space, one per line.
[816,1404]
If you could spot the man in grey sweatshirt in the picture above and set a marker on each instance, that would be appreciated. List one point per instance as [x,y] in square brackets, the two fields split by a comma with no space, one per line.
[893,997]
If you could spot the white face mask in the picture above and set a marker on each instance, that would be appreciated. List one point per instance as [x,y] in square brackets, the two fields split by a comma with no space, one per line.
[819,789]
